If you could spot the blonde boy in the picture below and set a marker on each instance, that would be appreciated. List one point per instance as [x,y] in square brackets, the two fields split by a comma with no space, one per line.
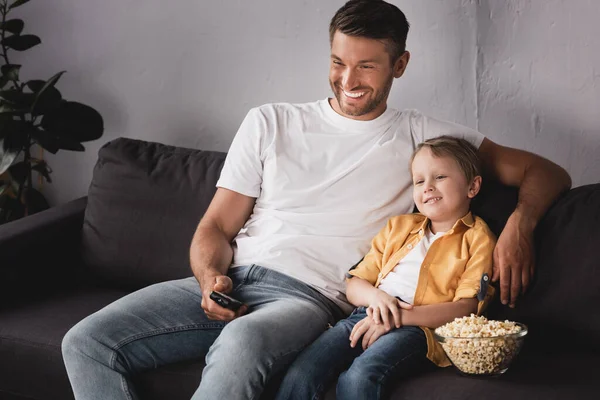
[422,271]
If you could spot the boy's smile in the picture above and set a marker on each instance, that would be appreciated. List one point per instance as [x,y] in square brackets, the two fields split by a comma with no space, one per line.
[441,190]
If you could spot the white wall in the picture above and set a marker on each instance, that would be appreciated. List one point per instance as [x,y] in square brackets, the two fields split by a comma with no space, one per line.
[186,72]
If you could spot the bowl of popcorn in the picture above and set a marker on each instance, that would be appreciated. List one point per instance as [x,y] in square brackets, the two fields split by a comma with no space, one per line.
[482,347]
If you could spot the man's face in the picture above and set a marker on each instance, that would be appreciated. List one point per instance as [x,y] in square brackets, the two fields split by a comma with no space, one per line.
[361,76]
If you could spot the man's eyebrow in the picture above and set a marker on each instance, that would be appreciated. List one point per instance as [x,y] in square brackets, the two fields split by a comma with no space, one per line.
[373,61]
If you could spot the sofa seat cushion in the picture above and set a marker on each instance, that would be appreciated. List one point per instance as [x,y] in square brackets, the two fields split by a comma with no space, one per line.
[30,340]
[564,376]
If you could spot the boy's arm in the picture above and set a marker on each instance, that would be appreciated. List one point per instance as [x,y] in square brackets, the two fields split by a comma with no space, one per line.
[434,315]
[380,304]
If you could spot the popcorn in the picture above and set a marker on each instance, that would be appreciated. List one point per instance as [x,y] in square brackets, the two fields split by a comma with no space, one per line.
[476,345]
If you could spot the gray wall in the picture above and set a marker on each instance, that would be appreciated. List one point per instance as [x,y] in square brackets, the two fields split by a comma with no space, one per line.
[524,72]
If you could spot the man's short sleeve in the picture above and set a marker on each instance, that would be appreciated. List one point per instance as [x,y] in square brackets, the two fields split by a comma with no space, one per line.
[243,168]
[424,128]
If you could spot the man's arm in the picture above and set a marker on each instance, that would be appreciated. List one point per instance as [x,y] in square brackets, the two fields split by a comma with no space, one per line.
[540,182]
[211,253]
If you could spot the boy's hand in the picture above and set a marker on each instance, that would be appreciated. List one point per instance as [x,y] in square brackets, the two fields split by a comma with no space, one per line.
[382,305]
[368,330]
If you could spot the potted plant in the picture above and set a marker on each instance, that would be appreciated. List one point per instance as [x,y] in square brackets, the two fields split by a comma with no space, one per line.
[33,113]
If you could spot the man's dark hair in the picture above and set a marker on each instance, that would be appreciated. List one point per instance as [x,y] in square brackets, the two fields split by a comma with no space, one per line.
[373,19]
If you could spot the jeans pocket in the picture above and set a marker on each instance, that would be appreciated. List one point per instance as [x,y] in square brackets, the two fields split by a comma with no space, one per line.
[239,275]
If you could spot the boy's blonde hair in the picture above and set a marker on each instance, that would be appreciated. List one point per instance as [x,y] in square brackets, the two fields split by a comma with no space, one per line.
[458,149]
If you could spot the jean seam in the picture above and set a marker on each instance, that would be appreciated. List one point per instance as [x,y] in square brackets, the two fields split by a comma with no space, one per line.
[125,388]
[156,332]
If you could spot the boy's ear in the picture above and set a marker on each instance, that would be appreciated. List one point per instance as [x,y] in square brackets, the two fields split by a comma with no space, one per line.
[475,186]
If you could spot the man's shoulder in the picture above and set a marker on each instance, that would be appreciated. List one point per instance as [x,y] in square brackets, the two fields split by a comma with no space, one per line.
[283,107]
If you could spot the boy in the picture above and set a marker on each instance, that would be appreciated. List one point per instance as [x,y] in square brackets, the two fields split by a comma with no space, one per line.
[422,271]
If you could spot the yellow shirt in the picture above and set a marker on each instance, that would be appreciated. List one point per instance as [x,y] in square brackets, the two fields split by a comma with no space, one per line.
[452,269]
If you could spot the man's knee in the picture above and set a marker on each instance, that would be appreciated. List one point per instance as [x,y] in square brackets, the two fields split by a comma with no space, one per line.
[82,341]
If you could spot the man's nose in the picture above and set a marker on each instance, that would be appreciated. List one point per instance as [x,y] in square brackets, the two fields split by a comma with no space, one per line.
[349,80]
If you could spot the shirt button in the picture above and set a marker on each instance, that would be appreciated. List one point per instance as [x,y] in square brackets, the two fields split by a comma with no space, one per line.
[420,231]
[380,275]
[410,246]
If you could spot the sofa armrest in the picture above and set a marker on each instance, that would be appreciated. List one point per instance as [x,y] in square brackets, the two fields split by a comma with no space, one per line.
[39,254]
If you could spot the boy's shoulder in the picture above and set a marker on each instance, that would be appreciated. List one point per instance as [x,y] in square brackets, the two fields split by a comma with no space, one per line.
[480,227]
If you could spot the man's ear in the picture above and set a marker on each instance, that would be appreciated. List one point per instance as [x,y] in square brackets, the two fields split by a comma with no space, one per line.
[474,187]
[400,64]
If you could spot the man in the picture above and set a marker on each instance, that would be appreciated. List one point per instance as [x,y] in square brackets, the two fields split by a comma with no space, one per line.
[303,190]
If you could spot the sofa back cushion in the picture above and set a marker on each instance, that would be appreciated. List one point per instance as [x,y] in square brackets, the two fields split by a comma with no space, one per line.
[561,307]
[144,203]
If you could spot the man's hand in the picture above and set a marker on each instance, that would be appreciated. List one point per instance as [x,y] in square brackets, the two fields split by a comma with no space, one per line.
[223,284]
[381,305]
[514,258]
[368,330]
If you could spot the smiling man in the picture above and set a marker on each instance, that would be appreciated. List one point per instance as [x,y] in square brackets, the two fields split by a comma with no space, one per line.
[303,190]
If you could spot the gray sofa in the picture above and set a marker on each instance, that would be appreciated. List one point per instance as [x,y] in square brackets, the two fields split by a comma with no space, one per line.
[134,229]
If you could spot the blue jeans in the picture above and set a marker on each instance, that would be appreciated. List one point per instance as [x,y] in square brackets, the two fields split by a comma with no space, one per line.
[164,324]
[364,374]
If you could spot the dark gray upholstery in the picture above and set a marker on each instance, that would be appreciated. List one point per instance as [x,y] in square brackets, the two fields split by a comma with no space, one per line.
[134,229]
[144,204]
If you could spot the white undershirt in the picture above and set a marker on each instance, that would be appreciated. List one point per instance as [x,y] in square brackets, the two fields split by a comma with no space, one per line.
[402,280]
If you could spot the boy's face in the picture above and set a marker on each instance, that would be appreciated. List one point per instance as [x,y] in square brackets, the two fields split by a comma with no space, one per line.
[440,188]
[361,76]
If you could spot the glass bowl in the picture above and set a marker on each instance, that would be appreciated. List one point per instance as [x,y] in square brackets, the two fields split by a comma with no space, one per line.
[483,356]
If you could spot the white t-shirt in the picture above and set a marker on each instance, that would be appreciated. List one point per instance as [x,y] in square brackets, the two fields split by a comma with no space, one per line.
[324,185]
[402,280]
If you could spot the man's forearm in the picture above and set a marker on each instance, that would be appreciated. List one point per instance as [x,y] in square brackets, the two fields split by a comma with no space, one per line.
[543,182]
[210,253]
[434,315]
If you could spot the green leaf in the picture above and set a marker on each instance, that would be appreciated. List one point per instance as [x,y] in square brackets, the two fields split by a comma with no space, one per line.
[34,201]
[3,81]
[49,98]
[10,209]
[11,71]
[7,156]
[21,42]
[10,109]
[18,172]
[13,26]
[35,85]
[16,136]
[17,98]
[44,169]
[3,188]
[74,121]
[47,140]
[17,4]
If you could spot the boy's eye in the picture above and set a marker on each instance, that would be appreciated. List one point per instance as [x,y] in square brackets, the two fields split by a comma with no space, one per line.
[418,182]
[440,177]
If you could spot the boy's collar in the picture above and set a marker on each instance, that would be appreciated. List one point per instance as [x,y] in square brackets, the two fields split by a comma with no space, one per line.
[467,220]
